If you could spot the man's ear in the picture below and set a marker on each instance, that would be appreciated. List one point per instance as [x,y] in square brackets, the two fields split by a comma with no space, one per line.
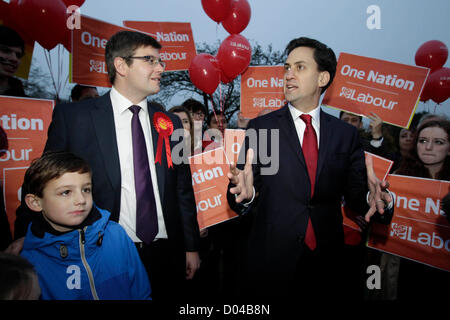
[121,66]
[33,202]
[324,78]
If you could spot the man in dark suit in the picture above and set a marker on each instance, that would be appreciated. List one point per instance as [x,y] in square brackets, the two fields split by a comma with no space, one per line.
[102,131]
[295,245]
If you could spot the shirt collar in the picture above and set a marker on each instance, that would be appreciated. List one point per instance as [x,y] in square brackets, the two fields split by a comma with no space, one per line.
[315,113]
[120,103]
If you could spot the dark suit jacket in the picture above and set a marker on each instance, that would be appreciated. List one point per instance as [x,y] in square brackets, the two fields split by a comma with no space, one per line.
[284,203]
[87,129]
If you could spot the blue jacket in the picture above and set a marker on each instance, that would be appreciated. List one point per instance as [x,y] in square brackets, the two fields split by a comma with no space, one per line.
[97,261]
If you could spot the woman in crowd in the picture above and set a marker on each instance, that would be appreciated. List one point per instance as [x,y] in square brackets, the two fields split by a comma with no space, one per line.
[188,125]
[430,159]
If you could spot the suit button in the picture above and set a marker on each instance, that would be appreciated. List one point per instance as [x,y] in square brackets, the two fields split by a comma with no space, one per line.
[310,206]
[300,239]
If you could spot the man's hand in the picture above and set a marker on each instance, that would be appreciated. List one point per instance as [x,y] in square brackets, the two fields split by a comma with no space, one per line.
[16,246]
[242,179]
[192,264]
[375,125]
[378,198]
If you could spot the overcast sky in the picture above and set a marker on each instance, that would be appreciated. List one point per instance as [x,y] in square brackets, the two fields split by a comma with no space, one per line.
[341,24]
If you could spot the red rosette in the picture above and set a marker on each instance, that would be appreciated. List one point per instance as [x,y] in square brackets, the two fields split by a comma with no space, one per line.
[164,127]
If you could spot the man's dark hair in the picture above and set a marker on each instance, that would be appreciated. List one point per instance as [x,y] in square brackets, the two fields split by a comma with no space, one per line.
[52,165]
[342,113]
[323,55]
[194,106]
[76,92]
[16,277]
[10,38]
[124,44]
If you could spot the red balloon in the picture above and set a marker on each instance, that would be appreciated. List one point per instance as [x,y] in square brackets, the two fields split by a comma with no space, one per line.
[432,54]
[203,73]
[217,9]
[238,18]
[234,55]
[77,3]
[426,95]
[44,20]
[223,77]
[440,85]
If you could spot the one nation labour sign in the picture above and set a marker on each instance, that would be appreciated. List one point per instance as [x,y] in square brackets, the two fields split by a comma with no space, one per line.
[261,88]
[363,85]
[178,46]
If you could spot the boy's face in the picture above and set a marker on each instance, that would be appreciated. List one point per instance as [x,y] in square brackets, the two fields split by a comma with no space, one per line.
[66,201]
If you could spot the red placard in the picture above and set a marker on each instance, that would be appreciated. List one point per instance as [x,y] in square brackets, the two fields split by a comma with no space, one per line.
[209,180]
[178,46]
[261,88]
[25,122]
[88,66]
[363,85]
[419,229]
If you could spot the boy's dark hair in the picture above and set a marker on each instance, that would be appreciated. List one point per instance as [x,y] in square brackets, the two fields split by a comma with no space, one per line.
[10,38]
[124,44]
[323,55]
[193,106]
[51,165]
[77,90]
[15,277]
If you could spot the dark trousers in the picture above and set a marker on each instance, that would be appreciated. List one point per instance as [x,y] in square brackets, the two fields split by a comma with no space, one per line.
[166,269]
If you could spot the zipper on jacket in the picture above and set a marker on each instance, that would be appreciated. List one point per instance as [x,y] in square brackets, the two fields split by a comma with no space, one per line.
[82,241]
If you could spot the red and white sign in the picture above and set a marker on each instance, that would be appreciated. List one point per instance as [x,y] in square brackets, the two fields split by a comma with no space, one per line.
[178,46]
[363,85]
[261,88]
[209,180]
[88,66]
[419,229]
[25,122]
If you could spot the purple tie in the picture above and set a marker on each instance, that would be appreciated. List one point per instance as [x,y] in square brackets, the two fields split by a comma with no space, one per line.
[146,217]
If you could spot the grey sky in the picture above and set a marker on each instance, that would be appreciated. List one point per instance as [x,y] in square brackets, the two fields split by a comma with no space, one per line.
[341,24]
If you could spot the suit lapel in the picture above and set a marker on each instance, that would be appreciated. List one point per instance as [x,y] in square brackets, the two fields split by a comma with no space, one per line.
[325,140]
[160,167]
[287,127]
[103,120]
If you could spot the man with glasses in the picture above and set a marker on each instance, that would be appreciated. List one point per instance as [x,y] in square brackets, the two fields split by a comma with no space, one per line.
[11,52]
[116,134]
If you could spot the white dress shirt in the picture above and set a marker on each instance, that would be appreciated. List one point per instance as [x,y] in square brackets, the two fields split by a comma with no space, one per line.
[300,125]
[122,123]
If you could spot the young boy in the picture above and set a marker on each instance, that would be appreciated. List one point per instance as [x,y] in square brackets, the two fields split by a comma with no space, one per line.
[77,252]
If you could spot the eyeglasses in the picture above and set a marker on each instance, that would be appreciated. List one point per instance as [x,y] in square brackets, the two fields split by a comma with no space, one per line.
[154,61]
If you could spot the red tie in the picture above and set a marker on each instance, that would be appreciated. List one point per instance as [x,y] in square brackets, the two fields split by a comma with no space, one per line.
[310,153]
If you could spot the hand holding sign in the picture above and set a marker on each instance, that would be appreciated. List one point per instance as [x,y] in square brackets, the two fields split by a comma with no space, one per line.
[242,179]
[378,197]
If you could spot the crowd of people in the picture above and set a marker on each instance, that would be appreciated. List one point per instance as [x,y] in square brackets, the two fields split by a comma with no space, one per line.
[119,225]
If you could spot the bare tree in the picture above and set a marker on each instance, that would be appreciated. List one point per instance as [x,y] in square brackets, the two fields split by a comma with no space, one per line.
[227,96]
